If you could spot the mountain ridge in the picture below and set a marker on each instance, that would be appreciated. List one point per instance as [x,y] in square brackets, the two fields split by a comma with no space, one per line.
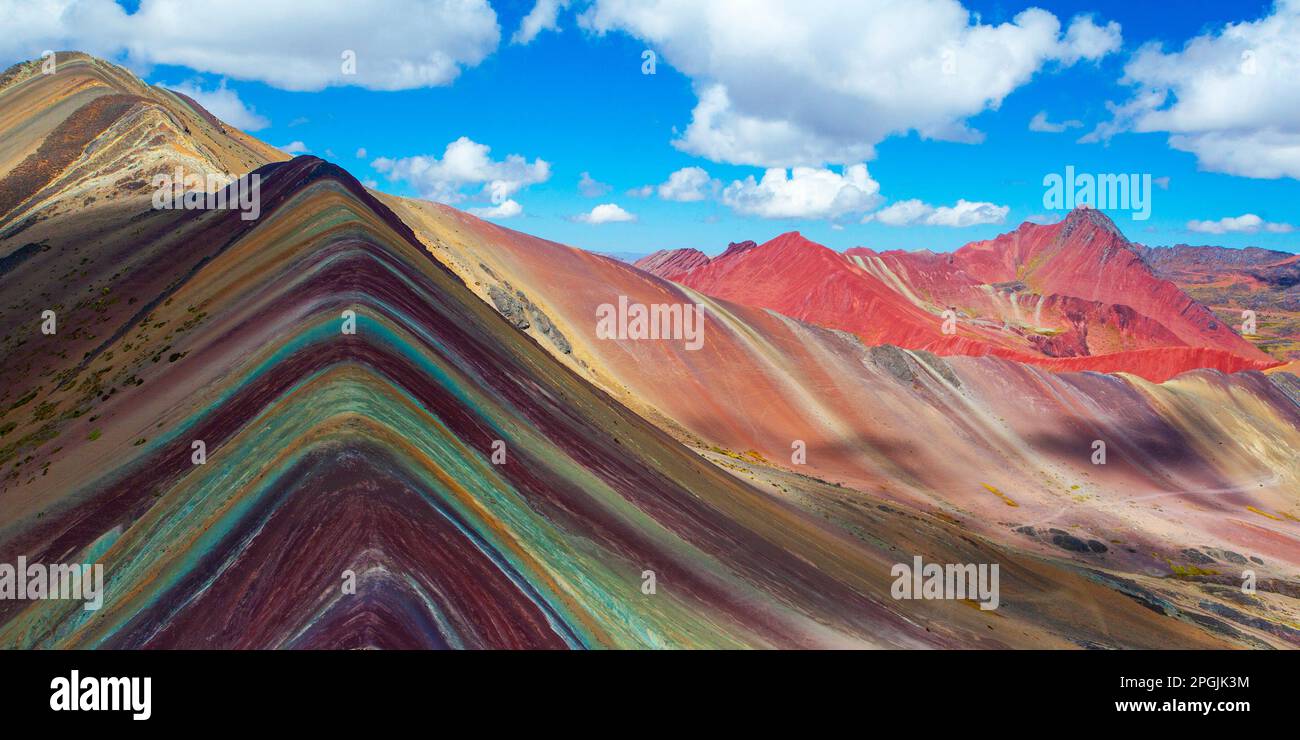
[369,449]
[1101,297]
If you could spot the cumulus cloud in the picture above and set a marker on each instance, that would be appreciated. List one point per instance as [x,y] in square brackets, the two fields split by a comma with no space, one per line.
[591,187]
[605,213]
[963,213]
[291,44]
[1247,223]
[1123,116]
[507,209]
[1228,96]
[295,148]
[1040,123]
[783,84]
[687,185]
[543,17]
[804,192]
[1085,40]
[465,164]
[1267,153]
[223,103]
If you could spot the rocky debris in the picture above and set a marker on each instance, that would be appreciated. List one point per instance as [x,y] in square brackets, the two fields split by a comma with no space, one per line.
[548,328]
[523,313]
[904,365]
[1218,626]
[509,306]
[1131,589]
[892,360]
[1229,556]
[1070,542]
[1289,634]
[20,255]
[735,248]
[939,366]
[1065,540]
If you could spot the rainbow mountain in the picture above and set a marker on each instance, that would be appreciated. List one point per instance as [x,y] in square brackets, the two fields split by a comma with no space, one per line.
[361,421]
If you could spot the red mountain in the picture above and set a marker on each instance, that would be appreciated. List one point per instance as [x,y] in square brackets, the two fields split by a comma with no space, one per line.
[670,263]
[1086,256]
[1073,295]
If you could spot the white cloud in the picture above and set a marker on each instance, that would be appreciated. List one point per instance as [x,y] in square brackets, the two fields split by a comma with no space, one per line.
[785,84]
[645,191]
[223,103]
[591,187]
[295,148]
[1228,96]
[361,153]
[290,44]
[465,164]
[963,213]
[507,209]
[605,213]
[1245,224]
[1085,40]
[687,185]
[543,17]
[1122,116]
[1040,123]
[1267,153]
[804,192]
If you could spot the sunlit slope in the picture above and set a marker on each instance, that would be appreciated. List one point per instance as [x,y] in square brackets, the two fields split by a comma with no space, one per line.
[91,133]
[371,452]
[349,495]
[1203,461]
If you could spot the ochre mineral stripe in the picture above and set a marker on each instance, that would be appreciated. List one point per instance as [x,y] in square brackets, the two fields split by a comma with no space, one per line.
[61,148]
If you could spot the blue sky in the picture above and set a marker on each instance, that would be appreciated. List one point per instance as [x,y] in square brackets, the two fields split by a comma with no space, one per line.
[575,98]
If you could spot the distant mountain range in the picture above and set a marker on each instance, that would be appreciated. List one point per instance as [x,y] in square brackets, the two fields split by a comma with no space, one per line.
[628,257]
[1074,295]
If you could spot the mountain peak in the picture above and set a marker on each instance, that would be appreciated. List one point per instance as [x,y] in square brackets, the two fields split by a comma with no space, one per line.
[735,248]
[95,133]
[790,240]
[670,263]
[1087,217]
